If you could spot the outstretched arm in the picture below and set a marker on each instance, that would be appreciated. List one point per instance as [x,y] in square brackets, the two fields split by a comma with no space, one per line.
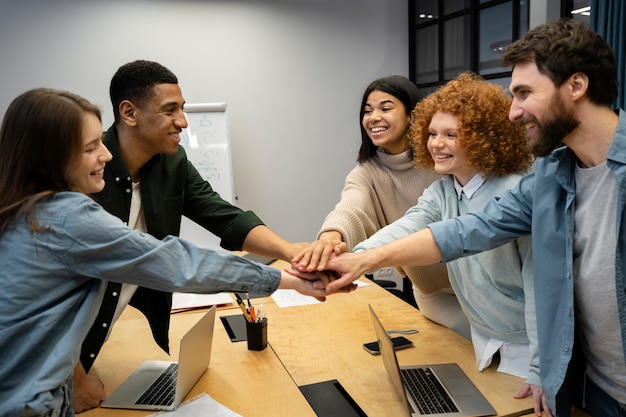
[263,241]
[416,249]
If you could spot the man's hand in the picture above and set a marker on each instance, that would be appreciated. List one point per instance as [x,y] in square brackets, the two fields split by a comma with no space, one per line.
[88,390]
[349,267]
[539,399]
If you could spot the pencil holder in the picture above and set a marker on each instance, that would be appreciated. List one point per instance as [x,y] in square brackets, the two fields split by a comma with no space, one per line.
[256,334]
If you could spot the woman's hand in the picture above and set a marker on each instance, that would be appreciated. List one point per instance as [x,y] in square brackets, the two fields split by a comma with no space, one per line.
[316,255]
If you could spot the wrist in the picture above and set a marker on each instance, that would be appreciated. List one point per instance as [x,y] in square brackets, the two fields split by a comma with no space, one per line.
[373,259]
[287,281]
[331,235]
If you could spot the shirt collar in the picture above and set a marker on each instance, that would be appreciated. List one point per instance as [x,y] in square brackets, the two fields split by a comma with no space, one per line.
[116,165]
[470,188]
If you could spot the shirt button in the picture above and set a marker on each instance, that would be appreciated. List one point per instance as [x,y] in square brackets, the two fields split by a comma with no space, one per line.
[128,191]
[117,179]
[128,178]
[92,355]
[114,294]
[105,325]
[566,349]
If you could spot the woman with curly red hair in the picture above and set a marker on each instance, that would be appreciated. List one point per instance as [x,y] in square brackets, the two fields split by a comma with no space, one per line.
[462,130]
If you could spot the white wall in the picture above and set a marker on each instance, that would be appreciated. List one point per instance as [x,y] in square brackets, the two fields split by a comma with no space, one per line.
[291,71]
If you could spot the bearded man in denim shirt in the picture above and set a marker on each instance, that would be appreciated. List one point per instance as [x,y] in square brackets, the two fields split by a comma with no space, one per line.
[563,82]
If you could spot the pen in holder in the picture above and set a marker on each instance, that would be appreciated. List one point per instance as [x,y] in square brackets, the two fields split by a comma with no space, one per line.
[256,334]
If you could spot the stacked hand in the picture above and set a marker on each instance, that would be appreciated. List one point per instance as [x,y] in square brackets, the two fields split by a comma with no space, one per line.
[312,283]
[329,253]
[315,257]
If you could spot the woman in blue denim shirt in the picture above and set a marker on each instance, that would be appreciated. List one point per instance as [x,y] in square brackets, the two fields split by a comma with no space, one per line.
[59,248]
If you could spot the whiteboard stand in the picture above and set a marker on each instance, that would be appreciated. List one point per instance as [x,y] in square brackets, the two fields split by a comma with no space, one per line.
[207,143]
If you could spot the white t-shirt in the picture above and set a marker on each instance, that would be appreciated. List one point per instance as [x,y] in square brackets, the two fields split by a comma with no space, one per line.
[136,221]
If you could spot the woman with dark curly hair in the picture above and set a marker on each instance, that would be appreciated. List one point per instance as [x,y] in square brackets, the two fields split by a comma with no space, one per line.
[462,131]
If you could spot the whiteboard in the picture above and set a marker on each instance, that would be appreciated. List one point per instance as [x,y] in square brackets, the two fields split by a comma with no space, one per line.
[207,143]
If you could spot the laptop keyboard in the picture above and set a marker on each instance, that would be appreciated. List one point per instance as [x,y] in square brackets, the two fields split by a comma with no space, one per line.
[427,392]
[163,390]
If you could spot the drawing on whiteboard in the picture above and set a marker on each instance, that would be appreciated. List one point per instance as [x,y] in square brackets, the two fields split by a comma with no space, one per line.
[201,139]
[207,143]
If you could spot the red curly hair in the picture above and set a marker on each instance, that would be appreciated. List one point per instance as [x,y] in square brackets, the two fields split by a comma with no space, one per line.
[492,143]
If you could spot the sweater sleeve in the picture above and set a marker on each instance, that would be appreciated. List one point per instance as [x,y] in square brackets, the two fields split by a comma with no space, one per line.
[416,218]
[355,215]
[428,278]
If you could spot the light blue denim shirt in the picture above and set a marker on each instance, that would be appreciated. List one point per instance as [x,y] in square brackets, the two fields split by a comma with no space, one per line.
[52,283]
[544,203]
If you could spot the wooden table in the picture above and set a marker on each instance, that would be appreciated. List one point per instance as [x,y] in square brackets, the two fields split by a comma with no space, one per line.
[307,344]
[248,382]
[321,342]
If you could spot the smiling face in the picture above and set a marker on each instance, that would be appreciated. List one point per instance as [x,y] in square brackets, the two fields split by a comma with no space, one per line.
[87,174]
[445,148]
[386,122]
[539,108]
[161,120]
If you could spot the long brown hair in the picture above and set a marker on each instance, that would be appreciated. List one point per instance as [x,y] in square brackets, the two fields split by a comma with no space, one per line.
[40,136]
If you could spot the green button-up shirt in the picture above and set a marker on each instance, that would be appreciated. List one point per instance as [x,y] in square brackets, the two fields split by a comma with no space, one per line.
[170,188]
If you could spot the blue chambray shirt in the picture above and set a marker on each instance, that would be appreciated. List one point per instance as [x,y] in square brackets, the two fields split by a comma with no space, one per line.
[51,285]
[544,203]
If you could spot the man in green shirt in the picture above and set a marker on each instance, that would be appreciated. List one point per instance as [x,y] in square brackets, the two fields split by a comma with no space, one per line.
[150,185]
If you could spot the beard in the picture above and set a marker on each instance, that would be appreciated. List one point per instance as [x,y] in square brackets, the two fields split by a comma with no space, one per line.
[559,123]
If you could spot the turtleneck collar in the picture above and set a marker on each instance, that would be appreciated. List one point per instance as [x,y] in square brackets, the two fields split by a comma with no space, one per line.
[399,162]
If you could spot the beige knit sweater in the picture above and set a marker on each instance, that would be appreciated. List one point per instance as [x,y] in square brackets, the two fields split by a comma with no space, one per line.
[376,193]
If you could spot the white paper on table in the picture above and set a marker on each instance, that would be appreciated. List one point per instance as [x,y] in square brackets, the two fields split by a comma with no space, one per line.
[200,405]
[182,301]
[292,298]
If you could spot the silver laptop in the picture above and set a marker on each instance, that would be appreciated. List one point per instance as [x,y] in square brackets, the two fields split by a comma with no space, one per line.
[433,390]
[163,385]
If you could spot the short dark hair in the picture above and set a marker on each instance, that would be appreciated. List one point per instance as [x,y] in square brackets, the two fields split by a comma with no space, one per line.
[564,47]
[41,135]
[135,81]
[398,86]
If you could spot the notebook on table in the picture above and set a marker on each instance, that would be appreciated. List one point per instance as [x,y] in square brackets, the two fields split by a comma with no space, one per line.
[440,390]
[163,385]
